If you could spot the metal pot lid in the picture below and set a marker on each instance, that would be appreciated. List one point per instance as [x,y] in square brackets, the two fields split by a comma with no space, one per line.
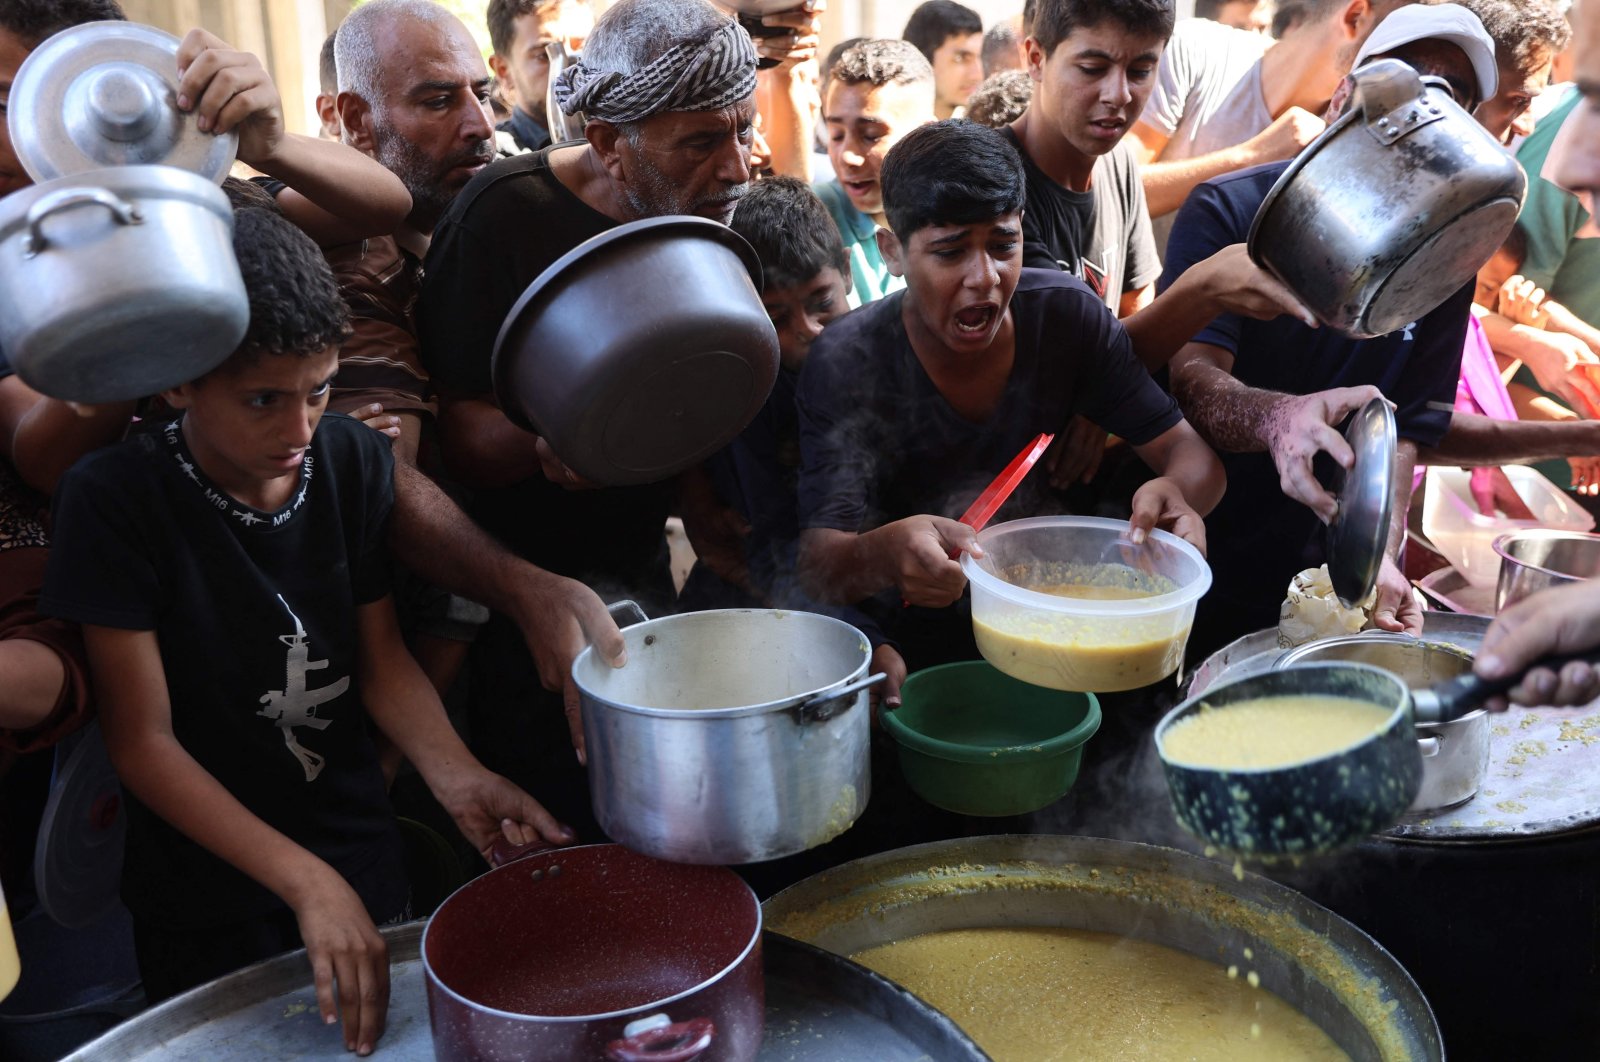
[77,861]
[1360,529]
[105,94]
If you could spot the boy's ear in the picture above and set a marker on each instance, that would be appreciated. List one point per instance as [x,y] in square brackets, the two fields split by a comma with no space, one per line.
[178,397]
[893,254]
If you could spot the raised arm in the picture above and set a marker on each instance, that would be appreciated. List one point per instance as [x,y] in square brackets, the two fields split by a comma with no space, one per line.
[1475,440]
[1168,184]
[843,567]
[348,957]
[786,94]
[335,195]
[52,435]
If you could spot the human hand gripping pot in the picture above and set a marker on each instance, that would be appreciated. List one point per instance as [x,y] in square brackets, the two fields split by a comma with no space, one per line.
[1562,620]
[1298,427]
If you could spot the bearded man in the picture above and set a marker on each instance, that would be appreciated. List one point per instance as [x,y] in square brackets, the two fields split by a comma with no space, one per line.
[668,90]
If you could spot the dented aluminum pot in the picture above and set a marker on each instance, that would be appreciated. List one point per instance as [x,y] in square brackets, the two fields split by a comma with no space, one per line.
[1392,209]
[731,736]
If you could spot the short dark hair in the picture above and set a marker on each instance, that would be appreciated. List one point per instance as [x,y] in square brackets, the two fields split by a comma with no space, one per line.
[31,21]
[792,232]
[244,194]
[502,18]
[952,172]
[1056,20]
[881,62]
[328,66]
[1001,99]
[936,21]
[295,305]
[1030,15]
[1000,43]
[1530,31]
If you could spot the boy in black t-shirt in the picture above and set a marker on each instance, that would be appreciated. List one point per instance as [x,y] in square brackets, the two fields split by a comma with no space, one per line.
[229,571]
[909,406]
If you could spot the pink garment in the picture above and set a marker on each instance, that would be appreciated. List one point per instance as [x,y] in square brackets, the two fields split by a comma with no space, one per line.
[1479,390]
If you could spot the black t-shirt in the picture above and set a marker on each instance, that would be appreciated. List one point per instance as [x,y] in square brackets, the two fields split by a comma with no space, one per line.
[878,442]
[1257,537]
[505,228]
[1101,236]
[255,613]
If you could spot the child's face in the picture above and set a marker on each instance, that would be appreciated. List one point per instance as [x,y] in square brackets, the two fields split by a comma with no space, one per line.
[864,122]
[959,279]
[800,312]
[1500,267]
[1094,85]
[249,426]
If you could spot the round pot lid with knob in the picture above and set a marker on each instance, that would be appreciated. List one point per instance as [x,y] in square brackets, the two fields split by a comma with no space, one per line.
[1360,529]
[104,94]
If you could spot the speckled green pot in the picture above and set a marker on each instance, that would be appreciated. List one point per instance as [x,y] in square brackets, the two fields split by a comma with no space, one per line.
[1309,807]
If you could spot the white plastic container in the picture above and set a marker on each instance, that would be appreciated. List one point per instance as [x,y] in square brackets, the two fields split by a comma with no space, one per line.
[1465,537]
[1082,643]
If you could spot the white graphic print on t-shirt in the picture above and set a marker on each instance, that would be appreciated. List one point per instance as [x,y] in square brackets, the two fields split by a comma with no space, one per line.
[295,704]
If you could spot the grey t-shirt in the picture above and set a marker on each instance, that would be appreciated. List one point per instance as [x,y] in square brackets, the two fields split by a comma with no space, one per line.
[1101,236]
[1208,94]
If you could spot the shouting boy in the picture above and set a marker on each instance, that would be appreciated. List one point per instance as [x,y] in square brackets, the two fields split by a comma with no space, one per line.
[230,573]
[908,407]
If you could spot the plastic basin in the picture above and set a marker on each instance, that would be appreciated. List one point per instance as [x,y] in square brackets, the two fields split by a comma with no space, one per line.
[1465,537]
[977,742]
[1083,643]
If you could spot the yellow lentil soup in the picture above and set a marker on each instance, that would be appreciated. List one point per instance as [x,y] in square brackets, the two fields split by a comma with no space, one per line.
[1051,995]
[1270,732]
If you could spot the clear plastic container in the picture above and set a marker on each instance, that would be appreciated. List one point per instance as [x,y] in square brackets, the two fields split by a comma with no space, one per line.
[1069,603]
[1465,537]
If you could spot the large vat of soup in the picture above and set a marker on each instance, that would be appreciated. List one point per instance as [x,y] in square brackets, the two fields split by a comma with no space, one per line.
[1156,921]
[1069,603]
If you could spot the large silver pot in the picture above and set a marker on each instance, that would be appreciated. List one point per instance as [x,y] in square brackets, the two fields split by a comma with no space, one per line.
[1314,960]
[118,283]
[1537,559]
[641,351]
[730,736]
[1392,209]
[1455,754]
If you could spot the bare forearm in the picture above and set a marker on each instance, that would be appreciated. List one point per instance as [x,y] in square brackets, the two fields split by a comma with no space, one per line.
[1168,184]
[841,568]
[336,194]
[1160,328]
[1477,440]
[1405,467]
[401,700]
[429,534]
[482,447]
[52,436]
[1194,467]
[787,102]
[1229,415]
[1564,320]
[173,785]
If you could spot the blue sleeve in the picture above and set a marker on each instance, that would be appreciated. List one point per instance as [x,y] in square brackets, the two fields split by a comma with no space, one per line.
[1425,394]
[1206,223]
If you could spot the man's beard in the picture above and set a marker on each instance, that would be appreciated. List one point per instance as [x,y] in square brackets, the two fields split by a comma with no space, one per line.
[651,193]
[424,177]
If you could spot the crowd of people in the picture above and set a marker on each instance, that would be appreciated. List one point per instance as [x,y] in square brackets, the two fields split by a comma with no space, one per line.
[267,608]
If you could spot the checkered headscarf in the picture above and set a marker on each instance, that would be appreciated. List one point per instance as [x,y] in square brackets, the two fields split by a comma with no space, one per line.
[686,77]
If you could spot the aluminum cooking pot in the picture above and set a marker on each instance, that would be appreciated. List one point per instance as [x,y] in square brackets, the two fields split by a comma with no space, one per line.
[1536,559]
[1392,209]
[731,736]
[1317,962]
[118,283]
[596,953]
[1455,753]
[640,352]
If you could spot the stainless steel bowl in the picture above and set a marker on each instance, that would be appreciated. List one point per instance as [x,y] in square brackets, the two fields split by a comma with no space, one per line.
[1455,755]
[1536,560]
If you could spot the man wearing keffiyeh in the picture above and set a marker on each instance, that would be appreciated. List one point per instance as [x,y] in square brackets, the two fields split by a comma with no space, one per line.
[667,87]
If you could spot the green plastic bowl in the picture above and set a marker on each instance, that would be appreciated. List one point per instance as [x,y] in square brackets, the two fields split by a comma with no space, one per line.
[978,742]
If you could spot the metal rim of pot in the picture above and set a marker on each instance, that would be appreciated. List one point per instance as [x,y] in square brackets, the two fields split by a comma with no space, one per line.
[813,704]
[542,285]
[1502,548]
[1305,654]
[483,1008]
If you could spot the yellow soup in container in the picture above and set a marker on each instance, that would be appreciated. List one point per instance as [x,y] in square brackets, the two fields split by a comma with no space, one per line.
[1069,604]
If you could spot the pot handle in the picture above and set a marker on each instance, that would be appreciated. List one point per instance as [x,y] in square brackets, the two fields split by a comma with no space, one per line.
[627,612]
[1394,100]
[123,212]
[1428,746]
[660,1039]
[503,851]
[825,706]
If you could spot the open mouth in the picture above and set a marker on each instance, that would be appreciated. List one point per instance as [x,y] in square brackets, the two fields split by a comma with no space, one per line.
[975,320]
[860,188]
[1109,126]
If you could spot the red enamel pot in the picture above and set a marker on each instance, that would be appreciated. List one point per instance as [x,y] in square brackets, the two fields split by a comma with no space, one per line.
[596,953]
